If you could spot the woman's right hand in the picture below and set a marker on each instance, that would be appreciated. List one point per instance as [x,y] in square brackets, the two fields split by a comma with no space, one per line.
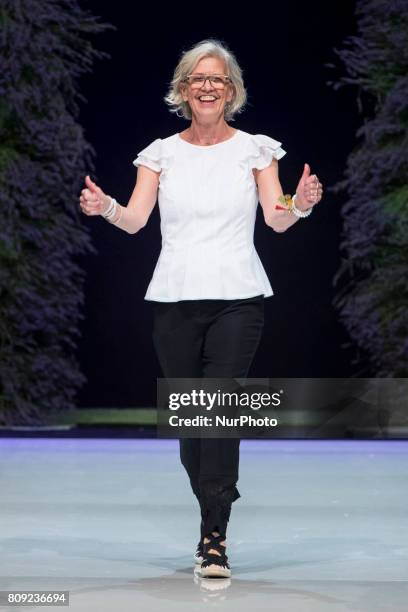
[93,201]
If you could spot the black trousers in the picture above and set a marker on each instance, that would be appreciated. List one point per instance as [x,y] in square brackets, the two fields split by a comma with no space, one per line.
[210,339]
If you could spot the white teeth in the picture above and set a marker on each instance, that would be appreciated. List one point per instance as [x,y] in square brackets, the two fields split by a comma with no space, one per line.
[209,98]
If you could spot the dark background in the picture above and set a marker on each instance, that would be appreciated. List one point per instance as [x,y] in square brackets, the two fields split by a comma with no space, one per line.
[283,48]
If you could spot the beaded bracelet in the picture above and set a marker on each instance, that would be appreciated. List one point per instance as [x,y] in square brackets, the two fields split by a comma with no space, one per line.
[291,206]
[300,213]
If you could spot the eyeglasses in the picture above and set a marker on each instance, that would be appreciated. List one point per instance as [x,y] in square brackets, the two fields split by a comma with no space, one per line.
[196,81]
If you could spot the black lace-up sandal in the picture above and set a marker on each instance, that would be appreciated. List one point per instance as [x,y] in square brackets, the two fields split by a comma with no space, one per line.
[198,556]
[213,565]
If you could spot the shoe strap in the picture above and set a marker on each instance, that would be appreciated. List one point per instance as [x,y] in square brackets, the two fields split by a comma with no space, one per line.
[211,559]
[214,544]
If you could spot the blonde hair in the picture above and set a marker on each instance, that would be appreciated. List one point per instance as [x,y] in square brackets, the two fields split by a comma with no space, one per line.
[188,60]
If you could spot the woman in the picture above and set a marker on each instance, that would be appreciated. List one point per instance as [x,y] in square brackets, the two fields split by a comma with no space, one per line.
[209,285]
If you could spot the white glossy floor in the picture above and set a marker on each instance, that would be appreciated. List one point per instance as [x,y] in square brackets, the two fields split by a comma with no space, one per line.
[321,526]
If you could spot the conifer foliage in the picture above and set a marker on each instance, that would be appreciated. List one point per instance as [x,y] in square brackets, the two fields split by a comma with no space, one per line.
[44,48]
[372,281]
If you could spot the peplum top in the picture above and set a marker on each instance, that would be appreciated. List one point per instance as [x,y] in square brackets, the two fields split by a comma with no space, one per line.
[207,200]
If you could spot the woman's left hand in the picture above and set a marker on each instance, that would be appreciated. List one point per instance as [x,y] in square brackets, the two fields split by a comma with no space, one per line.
[309,190]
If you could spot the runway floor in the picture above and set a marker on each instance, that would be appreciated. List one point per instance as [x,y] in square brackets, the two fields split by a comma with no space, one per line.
[321,526]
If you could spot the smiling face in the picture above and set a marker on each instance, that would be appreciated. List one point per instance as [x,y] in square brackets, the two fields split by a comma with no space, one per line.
[207,101]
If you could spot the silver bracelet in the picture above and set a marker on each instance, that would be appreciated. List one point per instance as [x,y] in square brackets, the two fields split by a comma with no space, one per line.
[300,213]
[120,215]
[110,212]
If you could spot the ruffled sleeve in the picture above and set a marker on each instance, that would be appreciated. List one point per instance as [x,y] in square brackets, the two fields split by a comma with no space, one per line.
[262,150]
[151,156]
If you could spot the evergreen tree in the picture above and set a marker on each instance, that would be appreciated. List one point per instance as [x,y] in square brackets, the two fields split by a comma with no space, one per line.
[44,157]
[372,281]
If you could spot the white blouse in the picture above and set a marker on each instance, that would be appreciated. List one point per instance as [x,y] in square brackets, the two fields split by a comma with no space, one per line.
[207,200]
